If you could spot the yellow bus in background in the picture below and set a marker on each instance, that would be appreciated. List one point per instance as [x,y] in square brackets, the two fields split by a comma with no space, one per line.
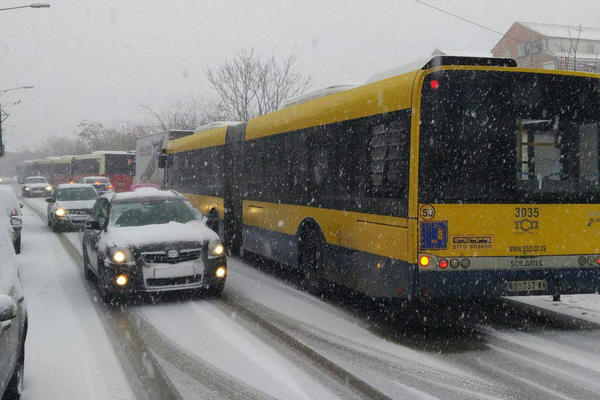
[460,177]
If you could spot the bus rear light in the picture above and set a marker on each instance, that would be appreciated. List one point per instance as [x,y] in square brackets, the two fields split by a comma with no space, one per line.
[443,264]
[465,263]
[424,260]
[454,263]
[110,186]
[434,84]
[425,291]
[598,260]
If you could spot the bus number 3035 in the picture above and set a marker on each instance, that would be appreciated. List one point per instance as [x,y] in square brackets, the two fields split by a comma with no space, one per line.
[527,212]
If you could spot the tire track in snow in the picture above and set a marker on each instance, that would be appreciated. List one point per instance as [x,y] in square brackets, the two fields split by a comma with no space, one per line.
[145,376]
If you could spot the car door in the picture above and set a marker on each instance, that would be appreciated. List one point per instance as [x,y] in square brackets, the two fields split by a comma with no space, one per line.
[50,207]
[9,330]
[91,237]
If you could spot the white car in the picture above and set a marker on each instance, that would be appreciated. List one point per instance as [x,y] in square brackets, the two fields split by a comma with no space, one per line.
[36,186]
[12,207]
[70,206]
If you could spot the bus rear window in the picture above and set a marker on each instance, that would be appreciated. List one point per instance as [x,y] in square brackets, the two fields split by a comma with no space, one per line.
[120,164]
[509,137]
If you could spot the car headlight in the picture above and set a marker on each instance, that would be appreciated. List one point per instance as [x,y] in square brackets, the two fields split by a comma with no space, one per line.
[26,188]
[121,255]
[49,187]
[60,212]
[215,249]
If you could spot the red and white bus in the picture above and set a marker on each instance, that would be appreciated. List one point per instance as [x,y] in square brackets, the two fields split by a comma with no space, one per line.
[117,166]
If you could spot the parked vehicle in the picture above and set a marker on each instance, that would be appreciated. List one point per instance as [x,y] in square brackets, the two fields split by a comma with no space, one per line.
[151,241]
[12,207]
[13,321]
[70,206]
[100,183]
[36,186]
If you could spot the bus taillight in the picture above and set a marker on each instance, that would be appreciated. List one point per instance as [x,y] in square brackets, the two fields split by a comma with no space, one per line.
[424,260]
[443,264]
[434,84]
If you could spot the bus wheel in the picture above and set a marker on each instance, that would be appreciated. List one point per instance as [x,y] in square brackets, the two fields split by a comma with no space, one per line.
[311,262]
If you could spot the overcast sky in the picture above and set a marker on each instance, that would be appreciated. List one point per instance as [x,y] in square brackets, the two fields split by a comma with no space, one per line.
[100,59]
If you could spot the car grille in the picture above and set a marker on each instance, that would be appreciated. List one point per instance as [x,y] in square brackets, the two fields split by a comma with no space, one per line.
[82,211]
[184,280]
[161,257]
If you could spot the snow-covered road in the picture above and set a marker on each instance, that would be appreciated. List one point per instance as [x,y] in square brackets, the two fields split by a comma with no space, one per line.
[209,348]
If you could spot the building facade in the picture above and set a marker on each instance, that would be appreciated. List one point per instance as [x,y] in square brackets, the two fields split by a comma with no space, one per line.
[549,46]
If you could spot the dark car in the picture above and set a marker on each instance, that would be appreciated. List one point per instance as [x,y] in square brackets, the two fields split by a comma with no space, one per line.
[13,322]
[100,183]
[12,207]
[151,241]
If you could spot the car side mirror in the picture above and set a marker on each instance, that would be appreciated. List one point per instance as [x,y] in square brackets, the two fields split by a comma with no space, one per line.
[49,200]
[92,224]
[16,222]
[8,308]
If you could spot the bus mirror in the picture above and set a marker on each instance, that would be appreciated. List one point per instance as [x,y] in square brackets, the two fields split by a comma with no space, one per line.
[162,161]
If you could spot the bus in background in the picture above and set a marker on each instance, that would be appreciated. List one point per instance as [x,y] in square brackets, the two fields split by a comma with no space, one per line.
[117,166]
[24,169]
[201,156]
[56,170]
[457,177]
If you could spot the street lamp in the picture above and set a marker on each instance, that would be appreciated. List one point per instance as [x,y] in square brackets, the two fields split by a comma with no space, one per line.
[34,5]
[4,114]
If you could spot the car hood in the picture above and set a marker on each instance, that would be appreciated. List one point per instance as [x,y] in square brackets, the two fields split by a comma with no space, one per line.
[36,185]
[75,205]
[147,235]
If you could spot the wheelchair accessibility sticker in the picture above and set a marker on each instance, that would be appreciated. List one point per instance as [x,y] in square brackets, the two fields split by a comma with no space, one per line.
[434,235]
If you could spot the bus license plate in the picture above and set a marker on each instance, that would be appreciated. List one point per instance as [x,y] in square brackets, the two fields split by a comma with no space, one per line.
[527,286]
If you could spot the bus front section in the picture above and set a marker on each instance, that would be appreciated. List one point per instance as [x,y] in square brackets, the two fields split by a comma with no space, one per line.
[509,183]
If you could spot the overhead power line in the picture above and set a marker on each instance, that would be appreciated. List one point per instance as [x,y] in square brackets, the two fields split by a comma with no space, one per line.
[465,19]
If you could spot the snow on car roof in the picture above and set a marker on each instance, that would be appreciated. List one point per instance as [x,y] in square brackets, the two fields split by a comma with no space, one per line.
[31,177]
[144,193]
[95,177]
[74,185]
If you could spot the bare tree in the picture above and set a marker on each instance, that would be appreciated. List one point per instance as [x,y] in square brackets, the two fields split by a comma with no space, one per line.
[248,86]
[185,114]
[567,57]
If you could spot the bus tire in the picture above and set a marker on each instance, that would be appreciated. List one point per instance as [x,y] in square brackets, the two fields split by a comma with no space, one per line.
[311,261]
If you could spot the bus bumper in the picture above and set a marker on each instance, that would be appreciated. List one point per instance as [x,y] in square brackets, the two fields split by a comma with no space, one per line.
[492,283]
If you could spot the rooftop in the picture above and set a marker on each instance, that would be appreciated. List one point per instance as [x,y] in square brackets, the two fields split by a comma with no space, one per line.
[564,31]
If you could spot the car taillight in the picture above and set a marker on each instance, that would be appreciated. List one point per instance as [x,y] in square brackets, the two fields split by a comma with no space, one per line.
[110,186]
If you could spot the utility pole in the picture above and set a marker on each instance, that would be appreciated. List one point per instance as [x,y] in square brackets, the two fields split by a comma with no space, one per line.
[3,116]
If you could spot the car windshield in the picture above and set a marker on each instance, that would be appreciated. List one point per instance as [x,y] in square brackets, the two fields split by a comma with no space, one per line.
[36,180]
[74,194]
[96,180]
[151,212]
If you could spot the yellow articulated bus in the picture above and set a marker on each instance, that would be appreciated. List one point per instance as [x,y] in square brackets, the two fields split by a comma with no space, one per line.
[463,177]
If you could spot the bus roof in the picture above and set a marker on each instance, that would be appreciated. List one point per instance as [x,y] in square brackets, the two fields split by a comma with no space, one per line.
[200,139]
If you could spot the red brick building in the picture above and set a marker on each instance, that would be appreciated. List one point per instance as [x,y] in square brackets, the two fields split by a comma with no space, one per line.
[550,46]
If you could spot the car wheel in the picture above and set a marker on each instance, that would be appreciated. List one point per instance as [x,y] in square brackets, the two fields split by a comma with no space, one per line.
[54,225]
[216,289]
[105,294]
[15,386]
[311,262]
[87,273]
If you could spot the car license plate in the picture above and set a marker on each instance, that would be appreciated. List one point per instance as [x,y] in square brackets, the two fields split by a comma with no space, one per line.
[528,286]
